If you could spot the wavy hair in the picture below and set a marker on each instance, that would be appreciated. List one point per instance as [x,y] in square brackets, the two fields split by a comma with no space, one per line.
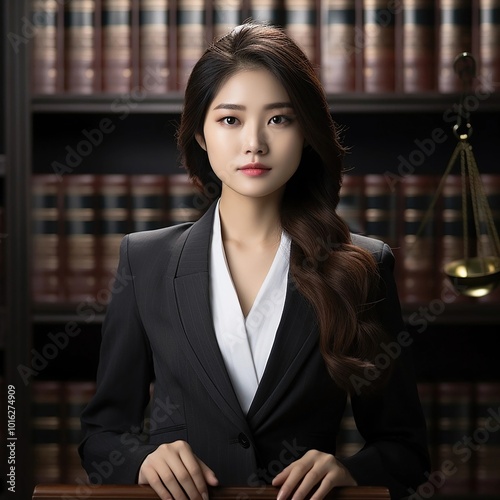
[339,279]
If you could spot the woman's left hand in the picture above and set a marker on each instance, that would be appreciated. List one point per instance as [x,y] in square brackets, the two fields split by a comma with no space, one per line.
[315,468]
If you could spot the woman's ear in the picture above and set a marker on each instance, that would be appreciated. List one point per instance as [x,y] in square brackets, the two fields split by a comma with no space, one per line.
[200,140]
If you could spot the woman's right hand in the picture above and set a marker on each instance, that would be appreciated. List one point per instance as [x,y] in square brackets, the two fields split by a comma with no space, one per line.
[175,472]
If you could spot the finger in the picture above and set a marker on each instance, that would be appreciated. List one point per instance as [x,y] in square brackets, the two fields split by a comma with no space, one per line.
[324,488]
[152,478]
[280,478]
[190,475]
[296,473]
[208,474]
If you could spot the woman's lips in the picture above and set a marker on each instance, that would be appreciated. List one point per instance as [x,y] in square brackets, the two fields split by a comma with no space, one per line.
[254,169]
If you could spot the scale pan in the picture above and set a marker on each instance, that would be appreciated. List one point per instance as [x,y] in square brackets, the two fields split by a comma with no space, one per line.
[474,277]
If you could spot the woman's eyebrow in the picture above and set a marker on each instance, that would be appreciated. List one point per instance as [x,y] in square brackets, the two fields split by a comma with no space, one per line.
[239,107]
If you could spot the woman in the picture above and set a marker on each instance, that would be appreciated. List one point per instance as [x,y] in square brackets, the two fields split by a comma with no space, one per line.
[256,321]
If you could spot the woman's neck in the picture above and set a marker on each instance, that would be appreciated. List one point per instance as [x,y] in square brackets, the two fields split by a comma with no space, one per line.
[250,221]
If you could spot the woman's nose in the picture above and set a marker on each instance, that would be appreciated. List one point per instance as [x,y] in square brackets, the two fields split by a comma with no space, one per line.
[255,141]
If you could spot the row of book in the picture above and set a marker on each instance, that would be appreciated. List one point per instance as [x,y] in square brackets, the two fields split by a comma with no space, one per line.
[79,222]
[394,211]
[89,46]
[463,424]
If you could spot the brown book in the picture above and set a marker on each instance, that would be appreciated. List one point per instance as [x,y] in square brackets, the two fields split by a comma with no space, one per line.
[489,42]
[149,208]
[45,17]
[266,11]
[154,46]
[301,26]
[418,273]
[491,186]
[351,205]
[182,200]
[418,46]
[338,45]
[114,198]
[47,433]
[226,15]
[47,275]
[79,56]
[486,478]
[454,37]
[116,45]
[191,37]
[378,47]
[380,212]
[80,237]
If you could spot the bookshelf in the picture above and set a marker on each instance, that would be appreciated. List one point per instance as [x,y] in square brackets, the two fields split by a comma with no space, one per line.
[459,344]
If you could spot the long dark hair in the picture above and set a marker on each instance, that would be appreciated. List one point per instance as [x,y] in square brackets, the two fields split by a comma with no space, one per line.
[339,279]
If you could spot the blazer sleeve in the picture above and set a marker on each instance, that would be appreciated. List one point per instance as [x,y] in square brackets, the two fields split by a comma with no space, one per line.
[113,448]
[392,423]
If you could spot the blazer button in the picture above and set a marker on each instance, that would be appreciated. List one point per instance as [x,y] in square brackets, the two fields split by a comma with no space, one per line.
[243,440]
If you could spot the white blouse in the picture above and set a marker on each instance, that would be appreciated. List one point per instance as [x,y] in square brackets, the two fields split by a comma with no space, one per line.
[246,343]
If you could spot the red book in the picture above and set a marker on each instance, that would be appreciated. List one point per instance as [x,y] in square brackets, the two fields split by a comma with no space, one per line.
[338,46]
[154,46]
[80,237]
[378,47]
[149,207]
[489,42]
[116,45]
[182,200]
[45,18]
[79,57]
[351,205]
[418,275]
[454,37]
[301,25]
[47,276]
[418,46]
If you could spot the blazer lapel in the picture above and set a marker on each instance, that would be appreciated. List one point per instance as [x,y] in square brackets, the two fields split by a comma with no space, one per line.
[296,337]
[189,270]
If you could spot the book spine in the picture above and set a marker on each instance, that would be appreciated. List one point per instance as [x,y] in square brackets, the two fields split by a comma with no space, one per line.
[181,204]
[300,23]
[418,46]
[148,194]
[487,480]
[44,14]
[116,45]
[80,237]
[491,186]
[191,41]
[114,208]
[379,47]
[418,273]
[380,213]
[47,435]
[453,422]
[226,15]
[351,203]
[489,41]
[267,11]
[76,396]
[338,47]
[454,38]
[154,46]
[79,55]
[47,285]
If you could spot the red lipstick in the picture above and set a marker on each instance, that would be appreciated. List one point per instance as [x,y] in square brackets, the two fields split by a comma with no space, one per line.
[254,169]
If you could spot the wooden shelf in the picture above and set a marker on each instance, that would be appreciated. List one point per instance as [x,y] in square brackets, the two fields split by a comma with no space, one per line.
[355,102]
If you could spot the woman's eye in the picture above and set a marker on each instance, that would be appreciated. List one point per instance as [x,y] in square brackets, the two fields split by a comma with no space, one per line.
[229,120]
[279,120]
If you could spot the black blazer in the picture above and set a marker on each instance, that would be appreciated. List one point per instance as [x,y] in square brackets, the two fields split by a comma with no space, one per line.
[159,327]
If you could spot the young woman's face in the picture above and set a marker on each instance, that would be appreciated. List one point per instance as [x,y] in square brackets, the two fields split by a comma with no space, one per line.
[251,134]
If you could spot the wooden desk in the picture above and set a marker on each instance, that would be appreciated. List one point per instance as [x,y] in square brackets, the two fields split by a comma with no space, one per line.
[136,492]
